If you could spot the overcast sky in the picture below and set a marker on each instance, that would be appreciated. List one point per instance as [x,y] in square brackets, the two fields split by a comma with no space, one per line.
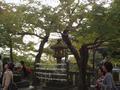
[47,2]
[13,1]
[53,3]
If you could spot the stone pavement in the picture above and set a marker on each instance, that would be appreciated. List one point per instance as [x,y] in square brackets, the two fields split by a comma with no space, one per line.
[24,89]
[39,88]
[30,88]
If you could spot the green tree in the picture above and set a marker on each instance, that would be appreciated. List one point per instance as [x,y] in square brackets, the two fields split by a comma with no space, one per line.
[91,24]
[11,23]
[88,22]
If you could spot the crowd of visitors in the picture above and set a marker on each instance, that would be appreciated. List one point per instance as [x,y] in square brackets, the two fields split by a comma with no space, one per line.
[105,80]
[7,71]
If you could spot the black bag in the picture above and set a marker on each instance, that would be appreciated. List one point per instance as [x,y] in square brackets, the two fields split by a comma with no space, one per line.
[14,86]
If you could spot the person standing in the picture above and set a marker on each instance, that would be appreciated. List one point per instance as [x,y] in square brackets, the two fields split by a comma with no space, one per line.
[108,82]
[1,67]
[24,70]
[1,71]
[101,75]
[7,77]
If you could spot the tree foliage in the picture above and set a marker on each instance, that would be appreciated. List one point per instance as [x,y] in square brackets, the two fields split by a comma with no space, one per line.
[83,26]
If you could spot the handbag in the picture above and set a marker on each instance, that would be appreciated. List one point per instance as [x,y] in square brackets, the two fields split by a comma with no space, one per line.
[13,86]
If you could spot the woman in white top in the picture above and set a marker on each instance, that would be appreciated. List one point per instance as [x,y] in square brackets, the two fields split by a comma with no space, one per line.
[7,77]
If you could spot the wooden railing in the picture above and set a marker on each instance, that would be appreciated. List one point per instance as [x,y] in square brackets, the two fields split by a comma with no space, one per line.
[60,74]
[73,78]
[50,74]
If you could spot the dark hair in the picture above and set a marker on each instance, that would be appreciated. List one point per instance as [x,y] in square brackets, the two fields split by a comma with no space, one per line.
[108,66]
[22,62]
[0,56]
[11,66]
[101,69]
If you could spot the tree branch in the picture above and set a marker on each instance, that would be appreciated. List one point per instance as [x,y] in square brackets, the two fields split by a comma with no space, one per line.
[27,33]
[75,7]
[97,42]
[67,41]
[41,47]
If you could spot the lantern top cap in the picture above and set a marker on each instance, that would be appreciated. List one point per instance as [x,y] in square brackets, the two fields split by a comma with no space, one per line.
[59,45]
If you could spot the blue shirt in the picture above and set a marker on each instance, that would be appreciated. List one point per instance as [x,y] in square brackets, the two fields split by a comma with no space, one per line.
[108,82]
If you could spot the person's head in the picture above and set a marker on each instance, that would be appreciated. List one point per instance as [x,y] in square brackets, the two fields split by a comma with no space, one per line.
[101,72]
[11,66]
[22,62]
[107,67]
[0,56]
[7,66]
